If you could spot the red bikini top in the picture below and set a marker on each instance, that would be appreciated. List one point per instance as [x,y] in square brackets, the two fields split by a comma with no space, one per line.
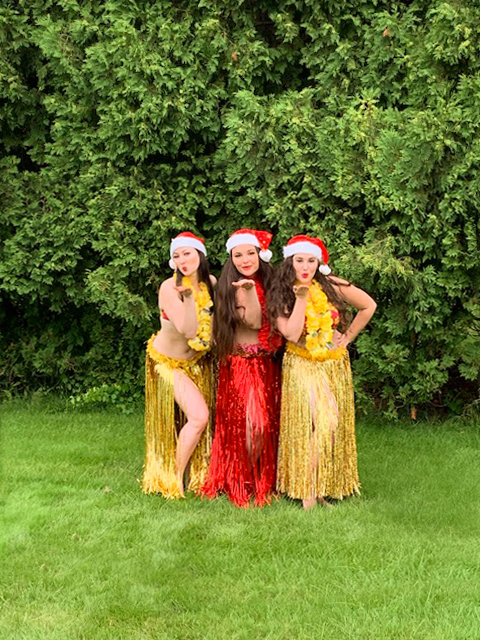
[335,316]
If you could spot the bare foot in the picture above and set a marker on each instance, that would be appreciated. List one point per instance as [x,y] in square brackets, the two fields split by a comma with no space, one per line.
[309,503]
[324,503]
[180,486]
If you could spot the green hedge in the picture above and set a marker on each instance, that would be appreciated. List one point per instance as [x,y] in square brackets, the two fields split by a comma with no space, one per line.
[124,122]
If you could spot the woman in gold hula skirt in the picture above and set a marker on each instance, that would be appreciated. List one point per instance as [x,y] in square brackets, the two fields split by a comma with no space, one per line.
[317,455]
[179,385]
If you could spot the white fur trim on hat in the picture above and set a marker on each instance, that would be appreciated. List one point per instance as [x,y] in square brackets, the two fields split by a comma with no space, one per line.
[185,241]
[303,247]
[242,238]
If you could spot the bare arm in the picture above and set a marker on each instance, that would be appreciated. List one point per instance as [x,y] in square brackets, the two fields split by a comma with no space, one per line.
[182,315]
[291,328]
[364,304]
[248,306]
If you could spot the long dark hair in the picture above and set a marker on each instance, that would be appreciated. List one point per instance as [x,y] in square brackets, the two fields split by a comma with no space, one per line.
[225,315]
[282,298]
[203,274]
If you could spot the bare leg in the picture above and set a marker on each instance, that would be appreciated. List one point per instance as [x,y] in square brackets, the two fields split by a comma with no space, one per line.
[193,405]
[309,503]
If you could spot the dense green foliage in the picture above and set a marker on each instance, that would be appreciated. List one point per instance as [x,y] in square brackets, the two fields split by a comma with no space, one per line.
[125,121]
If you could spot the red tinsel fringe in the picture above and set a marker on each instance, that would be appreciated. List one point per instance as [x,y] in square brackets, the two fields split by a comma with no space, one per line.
[248,394]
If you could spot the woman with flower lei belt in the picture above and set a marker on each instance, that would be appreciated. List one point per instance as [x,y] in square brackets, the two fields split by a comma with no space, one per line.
[244,450]
[179,375]
[317,455]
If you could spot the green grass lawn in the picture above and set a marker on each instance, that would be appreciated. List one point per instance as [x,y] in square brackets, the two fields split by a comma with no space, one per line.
[85,555]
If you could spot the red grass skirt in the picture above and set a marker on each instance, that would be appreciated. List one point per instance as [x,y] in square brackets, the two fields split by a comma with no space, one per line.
[243,463]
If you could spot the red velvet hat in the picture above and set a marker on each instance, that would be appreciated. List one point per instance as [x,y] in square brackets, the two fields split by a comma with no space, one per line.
[260,239]
[306,244]
[186,239]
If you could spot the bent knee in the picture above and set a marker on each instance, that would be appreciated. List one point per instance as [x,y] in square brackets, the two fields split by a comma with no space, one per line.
[199,421]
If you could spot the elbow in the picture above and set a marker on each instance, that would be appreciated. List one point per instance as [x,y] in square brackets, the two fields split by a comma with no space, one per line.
[254,326]
[253,323]
[189,333]
[292,336]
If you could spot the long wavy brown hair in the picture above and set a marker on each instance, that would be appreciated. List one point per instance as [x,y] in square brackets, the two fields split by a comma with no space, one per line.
[203,274]
[225,314]
[282,298]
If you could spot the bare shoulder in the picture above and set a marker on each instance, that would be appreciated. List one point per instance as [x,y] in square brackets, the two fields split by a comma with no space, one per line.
[213,280]
[167,286]
[340,282]
[352,294]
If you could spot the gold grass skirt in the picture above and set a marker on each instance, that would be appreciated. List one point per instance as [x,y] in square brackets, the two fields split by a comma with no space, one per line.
[317,449]
[164,419]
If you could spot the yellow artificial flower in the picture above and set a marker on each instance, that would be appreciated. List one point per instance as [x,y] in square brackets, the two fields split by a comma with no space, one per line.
[319,328]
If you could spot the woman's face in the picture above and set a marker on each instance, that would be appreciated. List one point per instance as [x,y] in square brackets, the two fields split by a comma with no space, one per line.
[187,260]
[246,260]
[305,266]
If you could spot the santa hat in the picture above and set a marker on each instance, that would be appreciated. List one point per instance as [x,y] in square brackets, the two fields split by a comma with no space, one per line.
[186,239]
[306,244]
[260,239]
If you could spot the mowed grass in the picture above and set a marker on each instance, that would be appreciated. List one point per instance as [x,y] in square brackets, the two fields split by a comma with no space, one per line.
[85,555]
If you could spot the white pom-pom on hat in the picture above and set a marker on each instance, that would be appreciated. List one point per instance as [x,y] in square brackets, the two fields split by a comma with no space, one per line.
[266,256]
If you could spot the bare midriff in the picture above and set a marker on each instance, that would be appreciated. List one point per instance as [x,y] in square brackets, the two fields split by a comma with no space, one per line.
[245,335]
[171,343]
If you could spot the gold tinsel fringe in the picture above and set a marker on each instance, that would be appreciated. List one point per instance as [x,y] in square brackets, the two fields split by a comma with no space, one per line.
[164,419]
[317,449]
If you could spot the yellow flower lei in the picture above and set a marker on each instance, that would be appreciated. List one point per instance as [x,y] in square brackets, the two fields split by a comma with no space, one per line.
[319,325]
[203,305]
[319,321]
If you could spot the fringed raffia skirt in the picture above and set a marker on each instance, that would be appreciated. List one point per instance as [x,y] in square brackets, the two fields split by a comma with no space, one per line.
[164,419]
[317,450]
[244,450]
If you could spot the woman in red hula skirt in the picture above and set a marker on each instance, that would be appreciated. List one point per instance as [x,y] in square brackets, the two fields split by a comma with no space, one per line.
[244,450]
[317,455]
[179,381]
